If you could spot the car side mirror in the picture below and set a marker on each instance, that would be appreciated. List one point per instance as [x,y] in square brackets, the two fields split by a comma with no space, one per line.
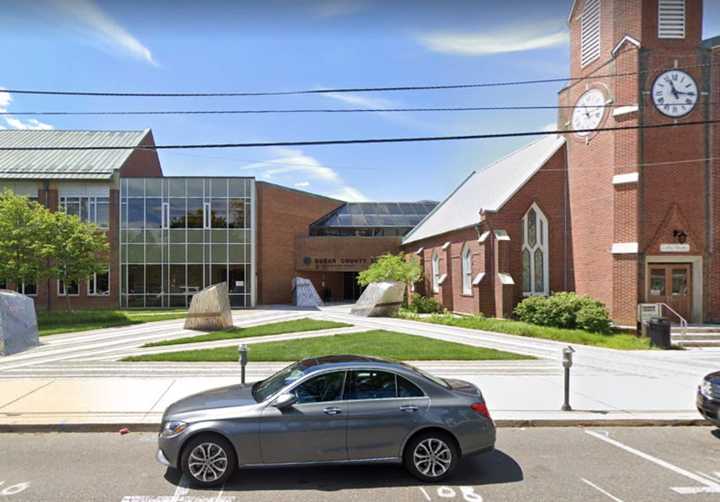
[285,400]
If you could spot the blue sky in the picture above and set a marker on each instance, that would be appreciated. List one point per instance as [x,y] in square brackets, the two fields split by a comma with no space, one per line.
[285,45]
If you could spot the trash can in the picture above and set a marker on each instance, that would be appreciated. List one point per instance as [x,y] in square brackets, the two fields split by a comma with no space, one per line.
[659,331]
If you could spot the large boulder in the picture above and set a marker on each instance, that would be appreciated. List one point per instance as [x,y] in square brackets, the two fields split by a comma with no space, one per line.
[304,294]
[380,299]
[210,309]
[18,323]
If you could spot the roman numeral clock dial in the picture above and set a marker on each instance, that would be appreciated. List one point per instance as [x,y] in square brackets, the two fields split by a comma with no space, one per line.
[675,93]
[588,113]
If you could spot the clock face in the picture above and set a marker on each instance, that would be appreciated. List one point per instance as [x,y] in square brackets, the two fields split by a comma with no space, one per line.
[675,93]
[588,113]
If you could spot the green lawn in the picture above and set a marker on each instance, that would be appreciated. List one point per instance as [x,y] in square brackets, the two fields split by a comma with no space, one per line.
[277,328]
[51,323]
[370,343]
[621,341]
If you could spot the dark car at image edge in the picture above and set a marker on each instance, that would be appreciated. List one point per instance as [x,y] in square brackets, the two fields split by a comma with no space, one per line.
[708,398]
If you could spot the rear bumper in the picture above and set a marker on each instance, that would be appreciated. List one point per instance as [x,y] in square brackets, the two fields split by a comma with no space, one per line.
[708,408]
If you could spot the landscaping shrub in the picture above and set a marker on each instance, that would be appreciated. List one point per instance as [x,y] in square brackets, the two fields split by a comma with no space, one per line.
[565,310]
[593,318]
[423,305]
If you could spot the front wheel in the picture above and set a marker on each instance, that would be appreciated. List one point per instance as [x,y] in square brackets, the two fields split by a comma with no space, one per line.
[208,460]
[431,456]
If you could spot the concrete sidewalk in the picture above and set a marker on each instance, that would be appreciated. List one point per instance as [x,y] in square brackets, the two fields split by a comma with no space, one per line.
[519,393]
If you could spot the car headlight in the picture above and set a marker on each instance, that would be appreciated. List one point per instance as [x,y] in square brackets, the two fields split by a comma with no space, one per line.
[706,389]
[172,428]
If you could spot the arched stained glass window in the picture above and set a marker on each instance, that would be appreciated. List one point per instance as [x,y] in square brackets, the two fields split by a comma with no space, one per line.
[535,264]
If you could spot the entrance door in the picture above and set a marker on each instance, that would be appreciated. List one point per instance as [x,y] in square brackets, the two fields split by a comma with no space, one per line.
[671,284]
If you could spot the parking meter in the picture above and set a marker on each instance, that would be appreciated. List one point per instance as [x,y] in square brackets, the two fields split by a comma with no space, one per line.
[567,362]
[243,358]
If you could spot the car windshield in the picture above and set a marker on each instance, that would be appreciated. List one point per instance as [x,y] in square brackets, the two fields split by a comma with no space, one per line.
[268,387]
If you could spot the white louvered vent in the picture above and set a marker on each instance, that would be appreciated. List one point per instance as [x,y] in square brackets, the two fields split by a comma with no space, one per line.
[671,18]
[590,32]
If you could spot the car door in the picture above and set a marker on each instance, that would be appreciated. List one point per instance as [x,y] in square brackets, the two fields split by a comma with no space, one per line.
[383,409]
[311,430]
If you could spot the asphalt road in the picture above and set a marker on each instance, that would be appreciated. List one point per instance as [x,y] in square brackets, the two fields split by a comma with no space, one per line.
[534,464]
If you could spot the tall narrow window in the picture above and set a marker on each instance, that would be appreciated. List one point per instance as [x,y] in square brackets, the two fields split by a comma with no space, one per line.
[671,19]
[590,32]
[466,267]
[435,272]
[99,284]
[535,253]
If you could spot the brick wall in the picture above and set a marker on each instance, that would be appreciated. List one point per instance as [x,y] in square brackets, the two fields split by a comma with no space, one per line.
[283,215]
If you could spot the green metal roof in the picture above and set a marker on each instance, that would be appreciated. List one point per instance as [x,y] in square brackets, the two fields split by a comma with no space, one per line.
[64,164]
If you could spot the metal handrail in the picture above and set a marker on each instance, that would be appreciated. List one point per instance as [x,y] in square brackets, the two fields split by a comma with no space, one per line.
[683,322]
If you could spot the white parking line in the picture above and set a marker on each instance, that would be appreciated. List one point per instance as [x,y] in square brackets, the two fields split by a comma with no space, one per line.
[610,495]
[708,486]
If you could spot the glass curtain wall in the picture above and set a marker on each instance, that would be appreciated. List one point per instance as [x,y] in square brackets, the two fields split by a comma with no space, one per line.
[179,235]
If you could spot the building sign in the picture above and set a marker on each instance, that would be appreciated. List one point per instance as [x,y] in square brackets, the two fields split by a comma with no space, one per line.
[674,248]
[340,263]
[647,311]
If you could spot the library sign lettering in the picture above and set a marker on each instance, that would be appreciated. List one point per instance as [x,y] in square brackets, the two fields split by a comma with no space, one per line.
[335,263]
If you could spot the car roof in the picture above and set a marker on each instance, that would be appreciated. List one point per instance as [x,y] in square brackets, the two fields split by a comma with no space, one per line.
[341,361]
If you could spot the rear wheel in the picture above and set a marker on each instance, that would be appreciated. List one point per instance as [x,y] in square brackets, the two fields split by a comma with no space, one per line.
[208,460]
[431,456]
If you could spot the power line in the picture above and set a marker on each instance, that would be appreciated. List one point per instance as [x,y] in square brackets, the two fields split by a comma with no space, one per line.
[404,88]
[314,110]
[411,139]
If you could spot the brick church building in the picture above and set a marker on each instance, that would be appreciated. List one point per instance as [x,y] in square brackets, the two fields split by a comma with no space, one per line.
[627,216]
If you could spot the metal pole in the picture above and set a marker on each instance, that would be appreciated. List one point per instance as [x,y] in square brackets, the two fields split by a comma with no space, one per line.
[566,404]
[243,357]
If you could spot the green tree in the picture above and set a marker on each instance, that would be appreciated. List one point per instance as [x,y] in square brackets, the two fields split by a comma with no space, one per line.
[79,250]
[26,243]
[390,267]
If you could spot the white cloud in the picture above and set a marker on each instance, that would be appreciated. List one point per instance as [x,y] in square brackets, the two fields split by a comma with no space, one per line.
[15,123]
[552,126]
[294,167]
[349,194]
[522,38]
[360,101]
[94,21]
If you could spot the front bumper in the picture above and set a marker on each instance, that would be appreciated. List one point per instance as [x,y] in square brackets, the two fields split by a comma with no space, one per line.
[708,408]
[161,458]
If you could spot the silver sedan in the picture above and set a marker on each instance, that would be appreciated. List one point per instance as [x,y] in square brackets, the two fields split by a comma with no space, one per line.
[324,410]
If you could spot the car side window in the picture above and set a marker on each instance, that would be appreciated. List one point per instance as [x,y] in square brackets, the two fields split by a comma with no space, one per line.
[370,384]
[405,388]
[322,388]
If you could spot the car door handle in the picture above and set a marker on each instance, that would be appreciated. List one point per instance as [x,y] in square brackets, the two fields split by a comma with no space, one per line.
[332,411]
[409,408]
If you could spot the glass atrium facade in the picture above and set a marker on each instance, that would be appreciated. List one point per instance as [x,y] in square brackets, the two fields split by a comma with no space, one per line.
[179,235]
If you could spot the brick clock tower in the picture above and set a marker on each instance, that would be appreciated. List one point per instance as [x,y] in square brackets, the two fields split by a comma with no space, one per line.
[644,203]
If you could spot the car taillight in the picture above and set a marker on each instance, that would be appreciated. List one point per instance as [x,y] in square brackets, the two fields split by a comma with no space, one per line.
[481,408]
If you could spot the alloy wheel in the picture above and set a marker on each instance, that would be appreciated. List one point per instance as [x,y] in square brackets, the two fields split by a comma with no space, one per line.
[432,457]
[207,462]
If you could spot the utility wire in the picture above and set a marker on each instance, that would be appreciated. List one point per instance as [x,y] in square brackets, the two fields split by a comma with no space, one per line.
[337,90]
[410,139]
[316,110]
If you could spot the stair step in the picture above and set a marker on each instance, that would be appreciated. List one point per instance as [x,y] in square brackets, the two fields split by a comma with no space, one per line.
[695,336]
[697,329]
[696,343]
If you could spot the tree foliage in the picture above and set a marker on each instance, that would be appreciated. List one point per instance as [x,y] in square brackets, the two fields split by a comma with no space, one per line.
[26,239]
[36,243]
[390,267]
[81,249]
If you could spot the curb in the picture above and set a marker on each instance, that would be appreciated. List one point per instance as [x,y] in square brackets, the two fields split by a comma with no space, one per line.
[502,423]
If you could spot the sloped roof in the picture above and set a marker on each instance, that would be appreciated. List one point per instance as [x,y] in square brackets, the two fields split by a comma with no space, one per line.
[64,164]
[376,214]
[487,189]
